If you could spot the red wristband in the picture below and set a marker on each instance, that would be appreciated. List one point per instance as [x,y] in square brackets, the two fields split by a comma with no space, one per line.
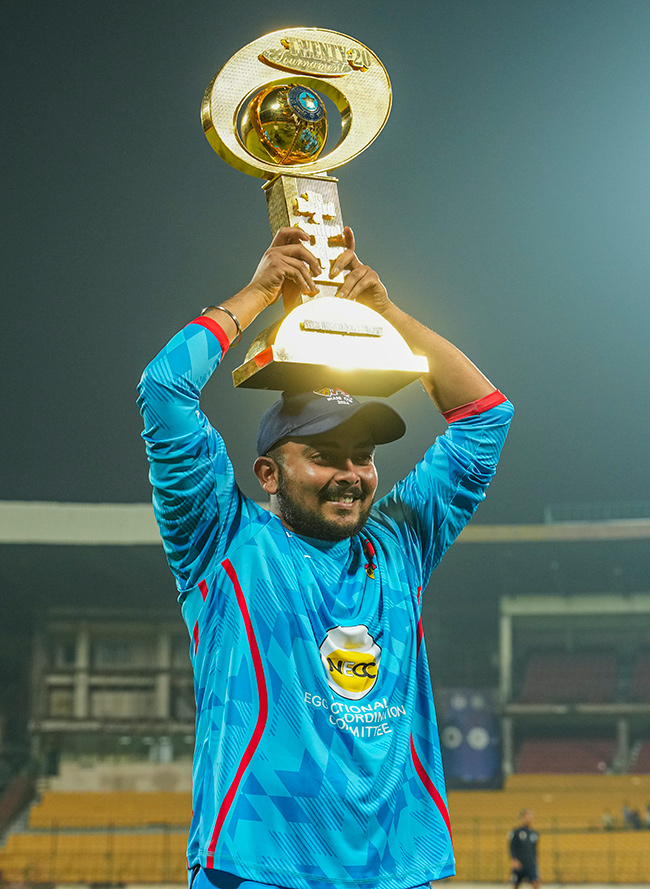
[214,328]
[473,408]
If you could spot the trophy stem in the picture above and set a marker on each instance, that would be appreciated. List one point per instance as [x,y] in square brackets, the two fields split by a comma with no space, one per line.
[313,205]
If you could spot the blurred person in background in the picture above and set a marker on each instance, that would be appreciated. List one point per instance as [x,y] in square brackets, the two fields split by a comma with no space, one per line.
[608,820]
[523,851]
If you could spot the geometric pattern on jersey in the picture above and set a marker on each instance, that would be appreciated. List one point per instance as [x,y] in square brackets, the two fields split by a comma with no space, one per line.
[295,784]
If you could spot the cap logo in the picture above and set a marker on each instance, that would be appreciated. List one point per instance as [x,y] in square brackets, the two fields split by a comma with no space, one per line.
[337,395]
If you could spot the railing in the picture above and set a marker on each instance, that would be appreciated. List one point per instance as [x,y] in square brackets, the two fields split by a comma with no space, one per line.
[110,856]
[597,512]
[578,855]
[156,854]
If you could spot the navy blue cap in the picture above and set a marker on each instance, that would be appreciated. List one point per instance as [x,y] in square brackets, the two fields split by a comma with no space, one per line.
[297,415]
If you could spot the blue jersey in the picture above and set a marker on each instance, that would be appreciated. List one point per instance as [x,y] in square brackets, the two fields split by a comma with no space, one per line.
[317,760]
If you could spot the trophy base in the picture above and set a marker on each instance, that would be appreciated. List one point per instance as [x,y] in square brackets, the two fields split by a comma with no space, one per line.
[265,371]
[333,343]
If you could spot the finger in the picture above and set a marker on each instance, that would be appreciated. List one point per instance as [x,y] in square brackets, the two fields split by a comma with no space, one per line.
[353,286]
[347,259]
[298,251]
[296,271]
[289,235]
[364,286]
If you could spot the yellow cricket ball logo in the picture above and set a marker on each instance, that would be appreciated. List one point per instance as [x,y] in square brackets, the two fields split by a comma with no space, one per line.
[351,659]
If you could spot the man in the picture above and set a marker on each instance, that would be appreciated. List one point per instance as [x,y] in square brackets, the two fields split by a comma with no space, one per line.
[317,761]
[523,851]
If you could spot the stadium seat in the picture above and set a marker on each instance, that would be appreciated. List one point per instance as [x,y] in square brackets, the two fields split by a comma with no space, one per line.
[560,677]
[562,755]
[639,690]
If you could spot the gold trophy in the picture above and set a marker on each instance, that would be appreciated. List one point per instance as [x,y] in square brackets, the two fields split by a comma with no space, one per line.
[263,113]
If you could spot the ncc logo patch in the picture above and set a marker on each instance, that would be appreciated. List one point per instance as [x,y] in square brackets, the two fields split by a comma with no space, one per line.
[350,657]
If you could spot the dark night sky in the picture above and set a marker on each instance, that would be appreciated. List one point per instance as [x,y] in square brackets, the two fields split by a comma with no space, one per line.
[506,204]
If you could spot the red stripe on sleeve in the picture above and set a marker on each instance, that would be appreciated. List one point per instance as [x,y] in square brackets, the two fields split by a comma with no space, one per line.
[195,636]
[430,786]
[214,328]
[204,589]
[473,408]
[258,731]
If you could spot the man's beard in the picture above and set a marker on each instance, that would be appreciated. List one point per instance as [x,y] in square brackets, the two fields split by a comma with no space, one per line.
[311,523]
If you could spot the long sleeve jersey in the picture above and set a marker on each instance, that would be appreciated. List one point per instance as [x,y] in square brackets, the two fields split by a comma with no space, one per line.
[317,761]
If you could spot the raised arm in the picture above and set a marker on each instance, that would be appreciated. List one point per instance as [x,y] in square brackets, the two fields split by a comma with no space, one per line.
[285,269]
[195,496]
[452,379]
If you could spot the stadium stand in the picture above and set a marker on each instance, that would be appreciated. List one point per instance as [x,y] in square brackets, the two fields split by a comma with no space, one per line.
[574,847]
[640,681]
[110,837]
[124,837]
[561,677]
[108,857]
[567,802]
[642,761]
[123,808]
[104,818]
[565,756]
[605,857]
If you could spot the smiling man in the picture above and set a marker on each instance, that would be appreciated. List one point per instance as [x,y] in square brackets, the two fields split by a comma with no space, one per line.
[317,760]
[317,462]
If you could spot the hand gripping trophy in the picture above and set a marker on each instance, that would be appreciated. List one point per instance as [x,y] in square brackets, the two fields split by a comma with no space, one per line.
[264,115]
